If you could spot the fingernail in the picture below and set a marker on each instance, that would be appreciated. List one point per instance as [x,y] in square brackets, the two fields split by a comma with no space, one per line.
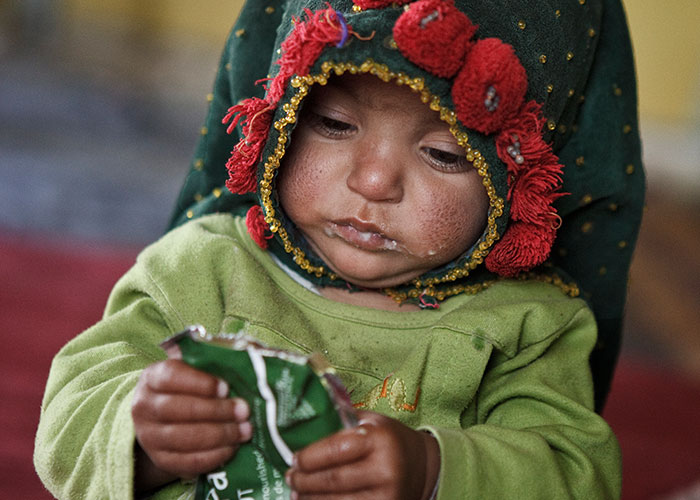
[222,389]
[245,431]
[294,495]
[241,411]
[288,477]
[174,352]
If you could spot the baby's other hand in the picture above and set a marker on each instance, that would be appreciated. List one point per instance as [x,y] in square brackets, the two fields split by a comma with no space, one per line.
[184,422]
[379,459]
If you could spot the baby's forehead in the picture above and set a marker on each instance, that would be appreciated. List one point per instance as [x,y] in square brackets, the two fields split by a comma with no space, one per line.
[370,92]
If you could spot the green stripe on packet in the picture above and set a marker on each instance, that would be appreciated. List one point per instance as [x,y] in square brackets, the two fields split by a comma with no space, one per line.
[294,400]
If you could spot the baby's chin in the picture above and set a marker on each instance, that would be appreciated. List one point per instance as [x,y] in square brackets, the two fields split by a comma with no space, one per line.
[364,278]
[381,269]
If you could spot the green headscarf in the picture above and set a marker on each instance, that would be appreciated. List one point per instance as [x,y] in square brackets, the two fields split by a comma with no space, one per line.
[542,95]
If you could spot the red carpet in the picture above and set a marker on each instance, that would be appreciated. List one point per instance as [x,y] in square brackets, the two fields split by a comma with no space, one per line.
[52,291]
[49,293]
[656,417]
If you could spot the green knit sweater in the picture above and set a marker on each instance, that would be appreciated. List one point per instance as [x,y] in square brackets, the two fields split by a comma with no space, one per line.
[501,377]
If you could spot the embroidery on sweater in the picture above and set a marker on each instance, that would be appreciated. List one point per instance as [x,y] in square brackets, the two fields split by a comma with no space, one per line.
[396,395]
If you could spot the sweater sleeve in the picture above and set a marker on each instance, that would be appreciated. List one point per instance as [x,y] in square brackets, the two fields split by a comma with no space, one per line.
[84,443]
[537,435]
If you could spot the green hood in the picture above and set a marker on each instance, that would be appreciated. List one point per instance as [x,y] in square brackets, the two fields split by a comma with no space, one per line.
[570,116]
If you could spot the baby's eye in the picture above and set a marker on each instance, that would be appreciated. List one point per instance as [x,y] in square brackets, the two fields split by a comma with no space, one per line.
[331,127]
[446,160]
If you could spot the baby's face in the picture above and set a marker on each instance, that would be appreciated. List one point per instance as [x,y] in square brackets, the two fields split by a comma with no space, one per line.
[378,185]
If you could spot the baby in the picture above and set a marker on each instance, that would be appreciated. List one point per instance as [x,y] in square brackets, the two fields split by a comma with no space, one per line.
[403,225]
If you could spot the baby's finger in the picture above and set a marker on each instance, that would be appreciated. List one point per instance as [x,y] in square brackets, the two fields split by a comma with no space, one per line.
[190,465]
[369,494]
[188,438]
[185,408]
[175,377]
[340,448]
[353,477]
[371,418]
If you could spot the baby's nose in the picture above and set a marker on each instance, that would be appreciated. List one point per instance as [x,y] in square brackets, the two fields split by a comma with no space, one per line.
[377,174]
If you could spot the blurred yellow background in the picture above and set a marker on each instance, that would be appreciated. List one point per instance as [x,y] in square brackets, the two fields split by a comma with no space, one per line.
[209,21]
[665,35]
[666,40]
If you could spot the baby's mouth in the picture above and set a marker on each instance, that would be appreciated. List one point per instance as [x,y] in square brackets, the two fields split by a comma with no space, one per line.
[362,235]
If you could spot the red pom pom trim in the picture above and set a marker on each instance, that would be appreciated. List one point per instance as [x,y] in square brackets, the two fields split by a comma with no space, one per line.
[435,35]
[490,87]
[257,227]
[489,96]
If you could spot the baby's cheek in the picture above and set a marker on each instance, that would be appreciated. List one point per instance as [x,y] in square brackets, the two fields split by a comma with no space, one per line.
[295,184]
[448,228]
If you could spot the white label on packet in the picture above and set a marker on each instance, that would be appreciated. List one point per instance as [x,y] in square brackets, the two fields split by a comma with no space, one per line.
[260,369]
[240,493]
[218,480]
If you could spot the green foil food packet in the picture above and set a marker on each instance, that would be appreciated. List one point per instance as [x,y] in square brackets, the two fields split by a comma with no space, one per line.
[294,400]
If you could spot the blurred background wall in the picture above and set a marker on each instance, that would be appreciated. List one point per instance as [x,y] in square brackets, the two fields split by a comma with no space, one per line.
[158,57]
[667,47]
[101,103]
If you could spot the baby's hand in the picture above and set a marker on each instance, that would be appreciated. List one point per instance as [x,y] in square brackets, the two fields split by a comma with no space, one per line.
[184,422]
[380,459]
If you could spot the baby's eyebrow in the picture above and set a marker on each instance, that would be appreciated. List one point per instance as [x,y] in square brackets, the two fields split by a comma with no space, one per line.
[343,88]
[348,89]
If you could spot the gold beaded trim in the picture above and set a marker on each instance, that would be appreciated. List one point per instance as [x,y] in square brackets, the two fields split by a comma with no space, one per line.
[439,294]
[303,85]
[570,289]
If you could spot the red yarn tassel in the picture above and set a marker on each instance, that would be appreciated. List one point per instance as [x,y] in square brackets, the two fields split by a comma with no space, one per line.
[244,112]
[533,192]
[255,116]
[534,182]
[241,171]
[534,170]
[257,227]
[527,126]
[303,46]
[522,247]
